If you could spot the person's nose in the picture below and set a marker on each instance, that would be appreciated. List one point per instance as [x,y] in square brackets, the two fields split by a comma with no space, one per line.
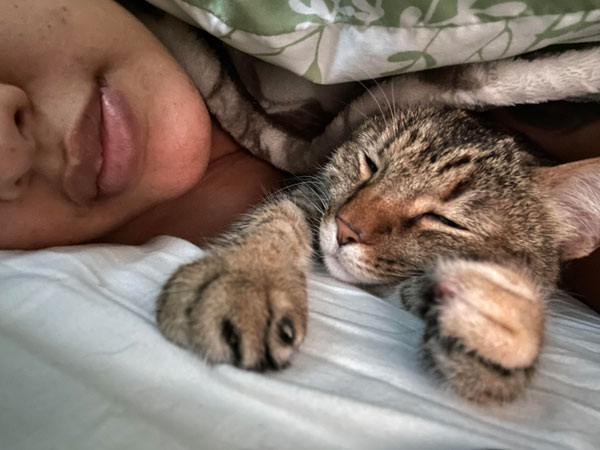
[17,147]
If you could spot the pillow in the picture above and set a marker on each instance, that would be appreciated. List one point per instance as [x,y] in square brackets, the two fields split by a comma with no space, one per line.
[332,41]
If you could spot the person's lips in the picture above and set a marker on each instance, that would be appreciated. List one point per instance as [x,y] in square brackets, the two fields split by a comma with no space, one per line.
[84,154]
[120,143]
[103,151]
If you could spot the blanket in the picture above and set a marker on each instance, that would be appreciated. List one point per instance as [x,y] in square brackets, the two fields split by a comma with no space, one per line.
[294,123]
[85,367]
[333,41]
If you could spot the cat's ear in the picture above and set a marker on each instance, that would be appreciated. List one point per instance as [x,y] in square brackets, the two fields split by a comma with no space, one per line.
[574,190]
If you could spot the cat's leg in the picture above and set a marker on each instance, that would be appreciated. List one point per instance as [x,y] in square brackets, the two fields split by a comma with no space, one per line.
[245,303]
[484,326]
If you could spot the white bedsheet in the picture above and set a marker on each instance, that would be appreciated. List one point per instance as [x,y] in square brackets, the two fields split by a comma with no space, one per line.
[83,366]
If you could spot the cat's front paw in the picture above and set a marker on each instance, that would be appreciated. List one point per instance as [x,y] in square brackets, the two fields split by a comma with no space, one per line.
[250,318]
[483,328]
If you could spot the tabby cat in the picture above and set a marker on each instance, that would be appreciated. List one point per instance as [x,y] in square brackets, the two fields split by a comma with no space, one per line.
[458,221]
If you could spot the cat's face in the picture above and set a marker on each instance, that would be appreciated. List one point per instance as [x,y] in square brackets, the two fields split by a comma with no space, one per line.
[430,183]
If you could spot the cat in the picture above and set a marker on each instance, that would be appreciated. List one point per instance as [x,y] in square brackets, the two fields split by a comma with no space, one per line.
[460,222]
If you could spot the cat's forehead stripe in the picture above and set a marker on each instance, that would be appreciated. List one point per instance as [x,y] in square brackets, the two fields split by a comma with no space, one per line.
[456,162]
[456,190]
[391,137]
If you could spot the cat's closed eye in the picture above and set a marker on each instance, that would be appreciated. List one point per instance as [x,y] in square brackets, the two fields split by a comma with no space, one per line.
[367,167]
[441,219]
[372,166]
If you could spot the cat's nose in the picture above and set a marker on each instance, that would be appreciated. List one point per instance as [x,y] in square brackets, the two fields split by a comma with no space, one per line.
[346,232]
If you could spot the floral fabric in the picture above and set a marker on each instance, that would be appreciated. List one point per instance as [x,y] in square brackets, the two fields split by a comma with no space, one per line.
[332,41]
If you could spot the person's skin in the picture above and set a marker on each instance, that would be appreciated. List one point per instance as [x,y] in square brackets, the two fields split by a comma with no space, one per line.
[68,69]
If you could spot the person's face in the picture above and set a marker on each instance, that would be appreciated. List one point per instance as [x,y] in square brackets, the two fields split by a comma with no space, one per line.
[97,122]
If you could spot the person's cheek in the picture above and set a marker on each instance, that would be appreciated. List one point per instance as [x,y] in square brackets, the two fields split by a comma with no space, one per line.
[178,130]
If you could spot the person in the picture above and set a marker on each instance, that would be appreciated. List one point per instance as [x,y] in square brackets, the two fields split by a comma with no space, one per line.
[64,65]
[79,79]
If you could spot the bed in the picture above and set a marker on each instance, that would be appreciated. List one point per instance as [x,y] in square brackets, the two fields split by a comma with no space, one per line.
[85,367]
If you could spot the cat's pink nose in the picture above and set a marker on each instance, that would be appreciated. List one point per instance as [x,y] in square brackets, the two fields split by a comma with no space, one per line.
[346,232]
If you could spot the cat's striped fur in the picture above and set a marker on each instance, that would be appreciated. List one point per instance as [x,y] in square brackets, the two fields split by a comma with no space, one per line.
[458,220]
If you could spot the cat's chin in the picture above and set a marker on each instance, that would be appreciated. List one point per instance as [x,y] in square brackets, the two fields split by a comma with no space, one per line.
[337,271]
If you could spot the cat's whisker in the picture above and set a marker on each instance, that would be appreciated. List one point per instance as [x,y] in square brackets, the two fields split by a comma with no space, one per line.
[396,274]
[354,108]
[317,189]
[303,180]
[320,194]
[370,92]
[402,275]
[394,112]
[309,177]
[389,118]
[310,202]
[291,187]
[403,271]
[385,97]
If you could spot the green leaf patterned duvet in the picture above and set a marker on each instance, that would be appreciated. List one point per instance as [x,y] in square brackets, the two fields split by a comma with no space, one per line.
[331,41]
